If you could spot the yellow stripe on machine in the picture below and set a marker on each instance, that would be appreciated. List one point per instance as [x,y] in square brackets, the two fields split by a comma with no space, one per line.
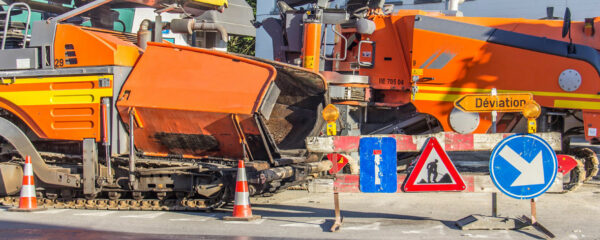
[55,97]
[217,3]
[28,98]
[570,104]
[92,78]
[536,93]
[576,104]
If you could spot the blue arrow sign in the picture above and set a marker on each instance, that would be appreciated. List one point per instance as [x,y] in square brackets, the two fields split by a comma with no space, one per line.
[378,165]
[523,166]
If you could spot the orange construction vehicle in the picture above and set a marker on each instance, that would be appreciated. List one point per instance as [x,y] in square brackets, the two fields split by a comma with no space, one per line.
[400,72]
[127,121]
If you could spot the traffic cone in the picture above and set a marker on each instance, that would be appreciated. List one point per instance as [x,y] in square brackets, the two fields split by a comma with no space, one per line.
[241,204]
[28,200]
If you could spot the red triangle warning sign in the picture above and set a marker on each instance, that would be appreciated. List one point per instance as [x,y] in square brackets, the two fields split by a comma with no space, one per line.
[433,171]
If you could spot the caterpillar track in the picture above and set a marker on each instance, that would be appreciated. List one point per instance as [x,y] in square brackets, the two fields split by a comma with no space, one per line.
[120,197]
[589,160]
[182,204]
[576,178]
[120,205]
[585,170]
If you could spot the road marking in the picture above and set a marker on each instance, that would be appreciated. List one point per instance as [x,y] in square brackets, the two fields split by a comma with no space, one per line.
[189,219]
[501,234]
[53,211]
[241,222]
[573,236]
[145,216]
[94,214]
[315,223]
[476,235]
[372,226]
[440,227]
[196,219]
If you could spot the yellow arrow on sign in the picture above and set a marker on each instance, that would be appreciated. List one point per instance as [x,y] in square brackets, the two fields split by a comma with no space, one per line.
[507,102]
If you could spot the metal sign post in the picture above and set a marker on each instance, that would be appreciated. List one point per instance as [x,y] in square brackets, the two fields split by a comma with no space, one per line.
[338,216]
[339,161]
[492,103]
[494,127]
[532,111]
[494,113]
[330,114]
[524,167]
[517,171]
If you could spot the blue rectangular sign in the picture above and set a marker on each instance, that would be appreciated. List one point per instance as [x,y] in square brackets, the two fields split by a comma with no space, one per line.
[378,165]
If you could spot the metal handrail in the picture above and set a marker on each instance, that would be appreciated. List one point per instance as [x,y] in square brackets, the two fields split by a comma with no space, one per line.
[364,64]
[7,22]
[324,55]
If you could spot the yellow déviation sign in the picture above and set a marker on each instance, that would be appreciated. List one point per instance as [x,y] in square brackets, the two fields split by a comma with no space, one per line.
[506,102]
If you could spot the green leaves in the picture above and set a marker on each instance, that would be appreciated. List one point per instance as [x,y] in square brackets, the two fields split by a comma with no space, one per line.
[241,44]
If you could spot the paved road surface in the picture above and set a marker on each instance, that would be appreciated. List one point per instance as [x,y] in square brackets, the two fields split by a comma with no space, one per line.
[299,214]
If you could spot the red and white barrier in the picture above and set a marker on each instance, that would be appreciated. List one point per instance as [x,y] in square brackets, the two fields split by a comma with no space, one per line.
[413,143]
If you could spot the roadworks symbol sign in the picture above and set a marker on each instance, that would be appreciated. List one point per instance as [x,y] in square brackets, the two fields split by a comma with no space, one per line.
[433,171]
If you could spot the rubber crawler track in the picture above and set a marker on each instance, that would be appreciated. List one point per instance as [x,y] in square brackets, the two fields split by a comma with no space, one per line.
[590,162]
[120,204]
[577,176]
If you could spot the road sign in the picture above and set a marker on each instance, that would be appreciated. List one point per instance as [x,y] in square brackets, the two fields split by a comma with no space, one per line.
[523,166]
[338,160]
[378,165]
[566,163]
[433,171]
[513,102]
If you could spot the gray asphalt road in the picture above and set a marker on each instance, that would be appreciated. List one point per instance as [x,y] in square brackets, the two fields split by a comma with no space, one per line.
[299,214]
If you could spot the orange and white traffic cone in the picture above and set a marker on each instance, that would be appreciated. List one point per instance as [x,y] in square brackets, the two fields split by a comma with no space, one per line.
[241,204]
[28,200]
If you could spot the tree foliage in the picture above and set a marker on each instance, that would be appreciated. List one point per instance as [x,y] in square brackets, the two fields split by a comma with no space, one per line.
[241,44]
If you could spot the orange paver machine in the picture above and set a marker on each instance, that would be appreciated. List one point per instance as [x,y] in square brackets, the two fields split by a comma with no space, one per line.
[130,121]
[400,71]
[384,61]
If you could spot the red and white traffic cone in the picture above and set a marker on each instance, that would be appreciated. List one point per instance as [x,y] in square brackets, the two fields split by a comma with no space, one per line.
[28,200]
[241,204]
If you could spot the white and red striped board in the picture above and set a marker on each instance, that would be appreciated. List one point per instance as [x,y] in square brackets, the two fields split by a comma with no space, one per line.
[450,141]
[475,182]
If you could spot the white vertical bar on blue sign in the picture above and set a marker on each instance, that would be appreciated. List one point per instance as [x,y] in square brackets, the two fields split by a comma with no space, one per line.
[378,165]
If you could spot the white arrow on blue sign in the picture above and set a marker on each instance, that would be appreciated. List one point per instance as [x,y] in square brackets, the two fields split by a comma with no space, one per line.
[523,166]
